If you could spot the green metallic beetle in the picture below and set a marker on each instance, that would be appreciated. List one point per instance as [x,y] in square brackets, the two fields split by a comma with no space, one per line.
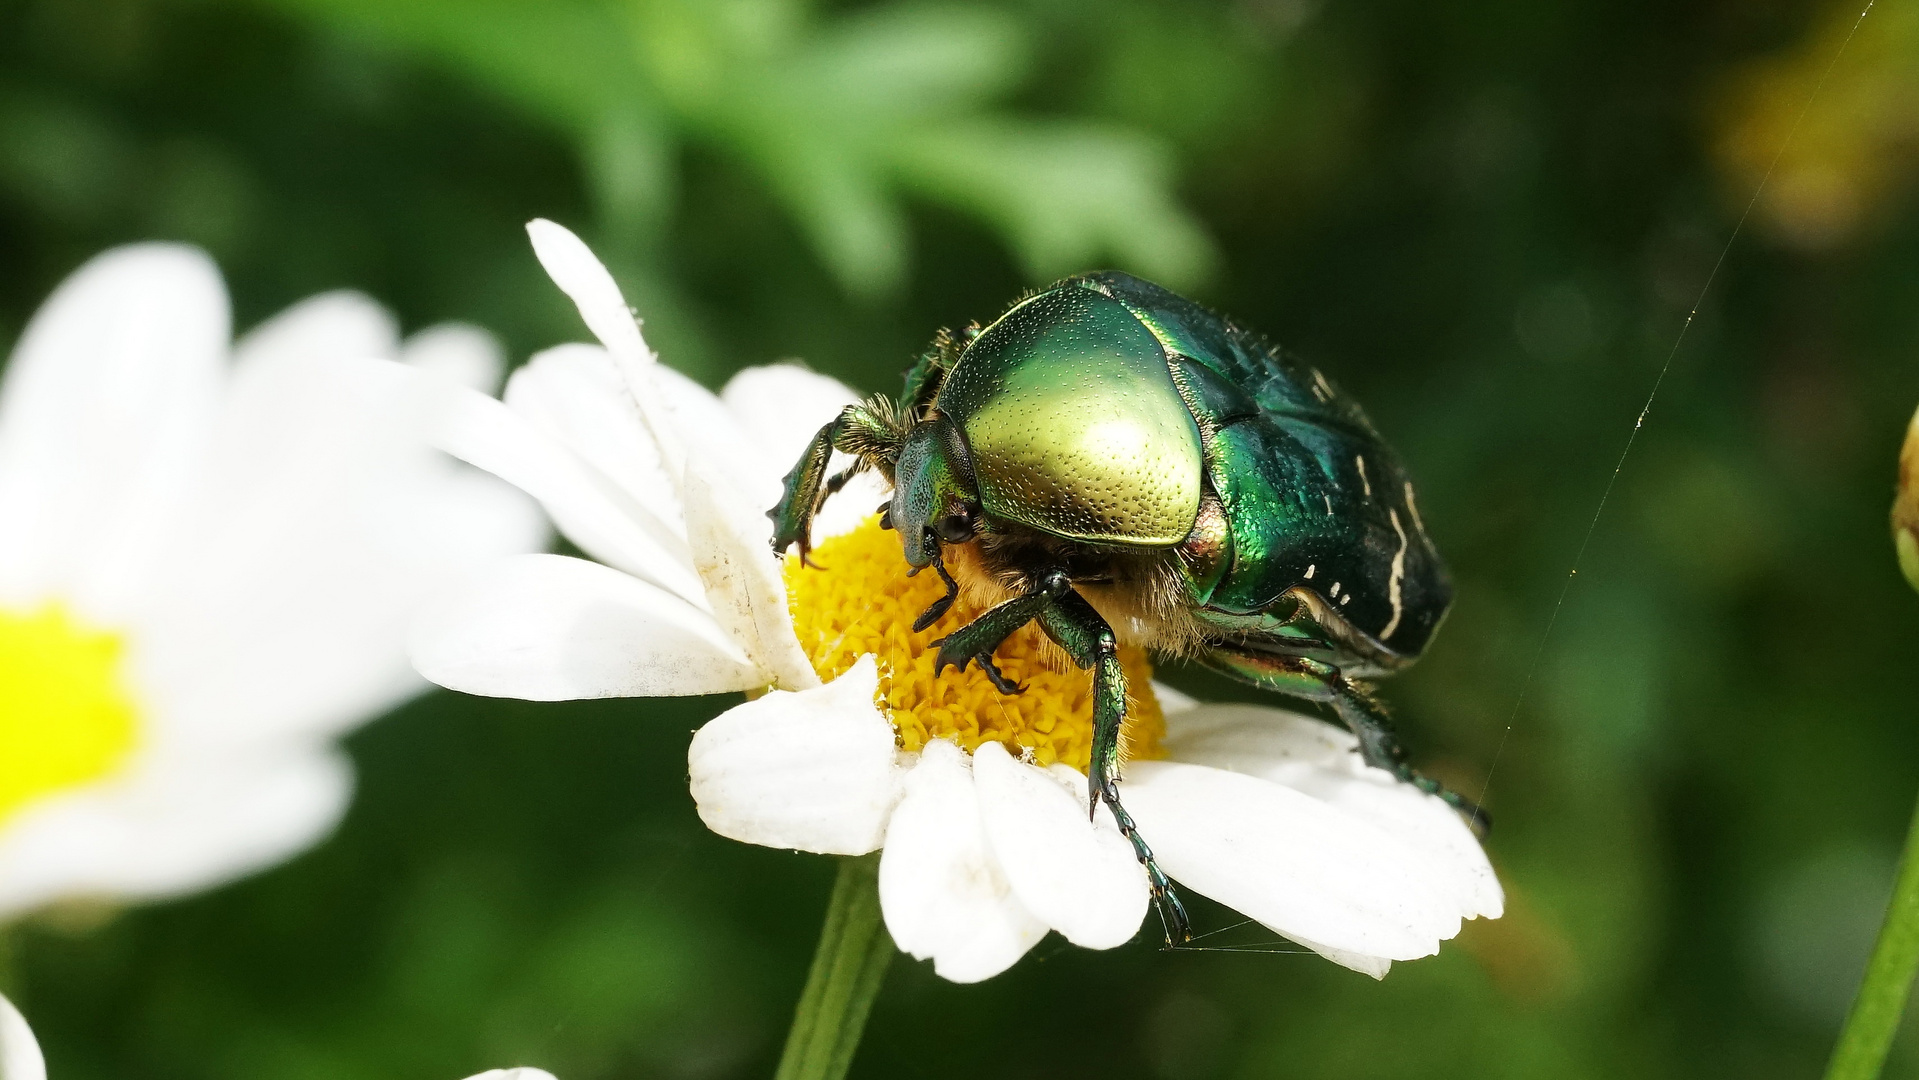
[1121,464]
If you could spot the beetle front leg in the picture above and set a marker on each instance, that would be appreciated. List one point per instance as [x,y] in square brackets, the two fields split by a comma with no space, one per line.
[937,610]
[793,514]
[1075,626]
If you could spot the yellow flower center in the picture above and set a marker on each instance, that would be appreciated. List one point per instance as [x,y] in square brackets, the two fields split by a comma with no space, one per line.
[859,600]
[65,719]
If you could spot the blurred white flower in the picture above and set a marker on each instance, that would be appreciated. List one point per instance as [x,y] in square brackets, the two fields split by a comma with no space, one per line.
[20,1057]
[19,1054]
[208,558]
[979,800]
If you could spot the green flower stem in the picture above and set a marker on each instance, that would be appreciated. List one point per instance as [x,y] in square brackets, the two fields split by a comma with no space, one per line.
[1881,1000]
[848,967]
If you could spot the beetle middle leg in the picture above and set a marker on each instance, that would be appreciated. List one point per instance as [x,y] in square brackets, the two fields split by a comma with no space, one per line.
[1076,627]
[1314,680]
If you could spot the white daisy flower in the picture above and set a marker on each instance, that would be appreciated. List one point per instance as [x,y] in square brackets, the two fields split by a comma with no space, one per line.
[21,1059]
[208,556]
[978,799]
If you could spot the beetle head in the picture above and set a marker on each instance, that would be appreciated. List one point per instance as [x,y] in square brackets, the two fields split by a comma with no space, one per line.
[935,498]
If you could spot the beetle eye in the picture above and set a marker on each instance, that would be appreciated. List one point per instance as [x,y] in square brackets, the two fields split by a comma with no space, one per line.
[955,528]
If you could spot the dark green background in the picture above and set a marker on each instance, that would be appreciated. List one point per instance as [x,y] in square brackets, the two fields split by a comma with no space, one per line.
[1488,219]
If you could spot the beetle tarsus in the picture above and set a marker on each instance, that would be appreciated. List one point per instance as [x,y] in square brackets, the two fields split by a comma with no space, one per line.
[1380,748]
[938,609]
[1315,680]
[1172,913]
[1075,626]
[1000,682]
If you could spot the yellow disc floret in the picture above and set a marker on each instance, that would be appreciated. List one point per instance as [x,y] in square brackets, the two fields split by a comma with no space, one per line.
[859,600]
[65,719]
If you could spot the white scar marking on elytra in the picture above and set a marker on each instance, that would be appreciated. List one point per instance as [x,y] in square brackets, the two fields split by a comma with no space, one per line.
[1414,507]
[1309,570]
[1321,388]
[1399,571]
[1360,460]
[1329,503]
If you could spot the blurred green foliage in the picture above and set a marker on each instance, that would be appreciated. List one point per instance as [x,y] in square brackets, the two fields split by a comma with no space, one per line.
[836,115]
[1489,220]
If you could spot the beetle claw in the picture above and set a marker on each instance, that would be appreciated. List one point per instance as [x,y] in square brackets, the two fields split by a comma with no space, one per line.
[958,661]
[806,554]
[1000,682]
[945,659]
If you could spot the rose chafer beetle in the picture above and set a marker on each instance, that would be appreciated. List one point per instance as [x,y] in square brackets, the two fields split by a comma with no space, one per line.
[1119,463]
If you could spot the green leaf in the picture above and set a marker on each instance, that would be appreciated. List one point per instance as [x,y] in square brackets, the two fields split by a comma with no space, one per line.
[1065,195]
[567,62]
[840,119]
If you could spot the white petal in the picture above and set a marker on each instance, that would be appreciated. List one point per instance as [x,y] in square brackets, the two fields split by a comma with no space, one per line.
[715,437]
[1314,757]
[733,553]
[19,1052]
[815,770]
[1260,735]
[169,827]
[102,425]
[1288,860]
[859,500]
[464,354]
[1375,966]
[1077,876]
[1173,701]
[584,504]
[943,894]
[331,326]
[522,1073]
[574,395]
[554,628]
[783,406]
[578,273]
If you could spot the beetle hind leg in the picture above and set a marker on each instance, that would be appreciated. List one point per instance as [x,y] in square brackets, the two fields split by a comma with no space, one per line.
[1357,709]
[1362,715]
